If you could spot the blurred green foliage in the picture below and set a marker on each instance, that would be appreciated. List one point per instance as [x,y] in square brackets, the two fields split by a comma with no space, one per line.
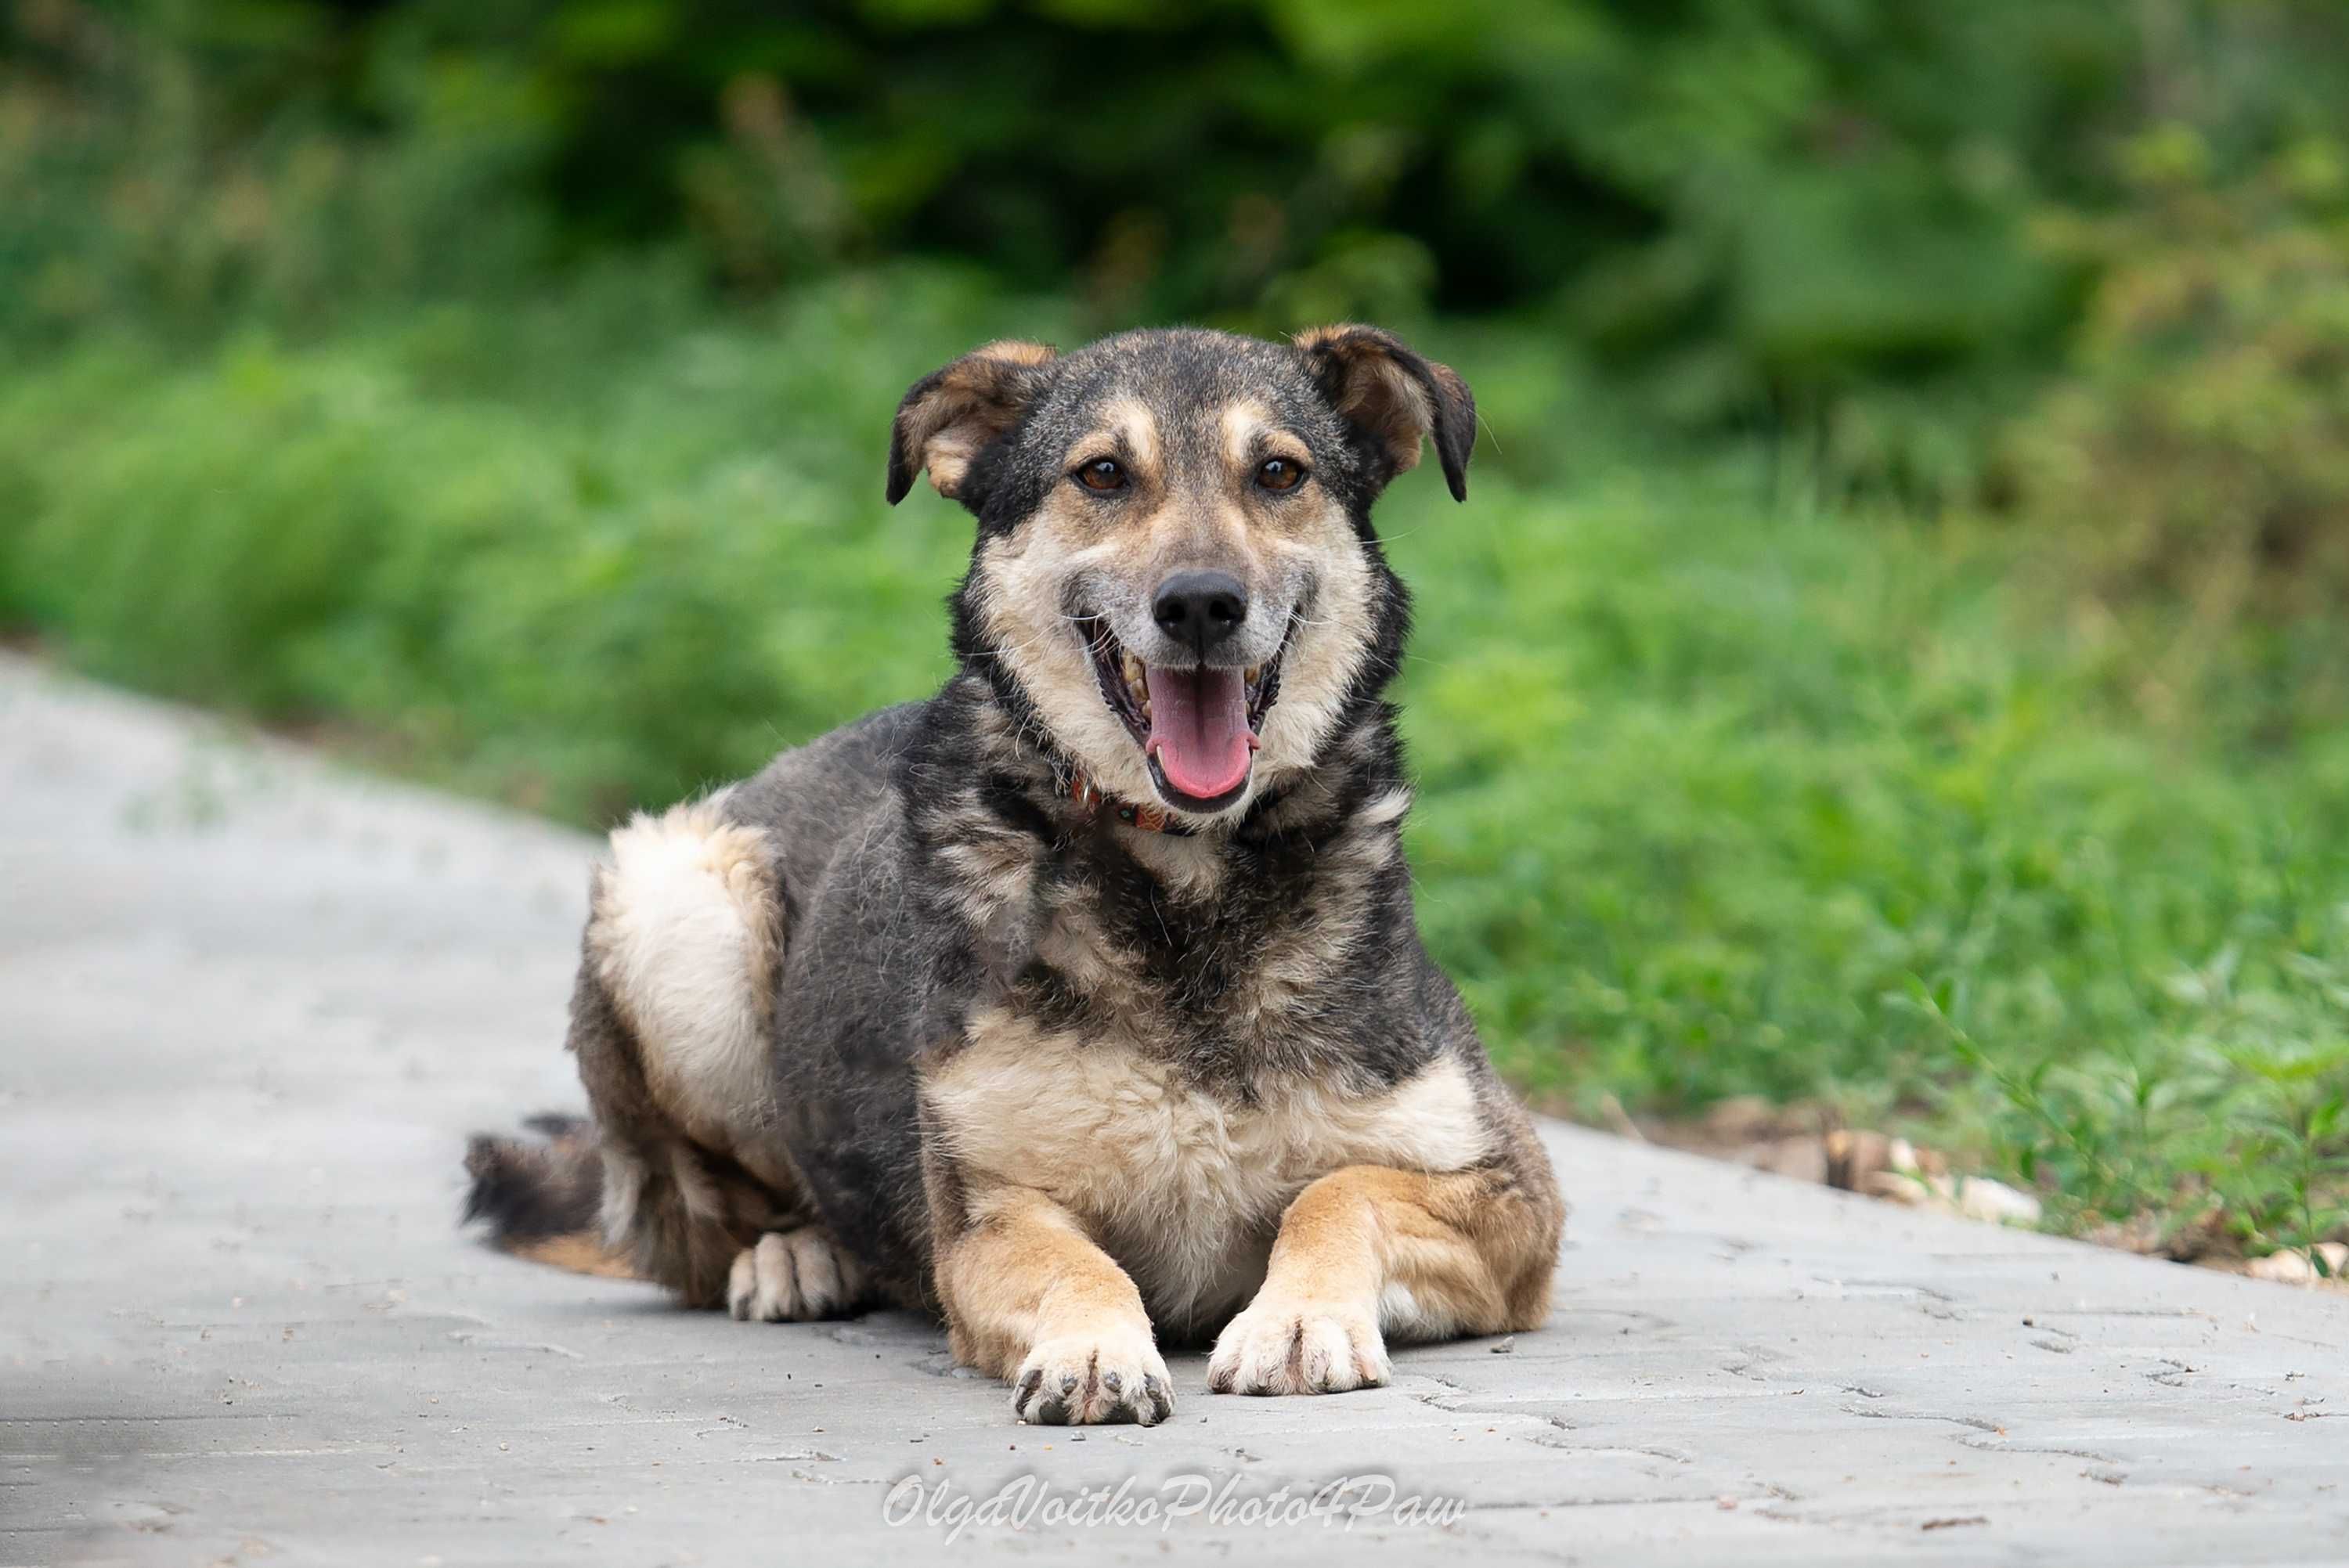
[496,390]
[2197,450]
[591,552]
[1745,207]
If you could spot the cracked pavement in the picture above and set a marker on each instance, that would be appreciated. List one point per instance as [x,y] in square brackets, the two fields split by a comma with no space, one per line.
[254,1003]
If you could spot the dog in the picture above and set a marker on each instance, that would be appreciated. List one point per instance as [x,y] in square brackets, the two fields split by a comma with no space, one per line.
[1082,1005]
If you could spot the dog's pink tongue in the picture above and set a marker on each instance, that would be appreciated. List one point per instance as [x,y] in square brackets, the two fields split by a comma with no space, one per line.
[1199,729]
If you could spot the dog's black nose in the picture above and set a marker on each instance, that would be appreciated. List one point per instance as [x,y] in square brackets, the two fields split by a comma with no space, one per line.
[1200,609]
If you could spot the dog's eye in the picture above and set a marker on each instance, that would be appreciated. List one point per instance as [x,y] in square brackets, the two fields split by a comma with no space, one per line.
[1278,474]
[1101,474]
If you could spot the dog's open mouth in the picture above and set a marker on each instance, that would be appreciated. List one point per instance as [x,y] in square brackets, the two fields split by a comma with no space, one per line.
[1197,727]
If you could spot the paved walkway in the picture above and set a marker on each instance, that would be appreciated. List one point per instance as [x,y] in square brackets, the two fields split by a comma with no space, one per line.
[252,1005]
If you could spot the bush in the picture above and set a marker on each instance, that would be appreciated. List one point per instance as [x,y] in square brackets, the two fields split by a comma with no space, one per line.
[1748,207]
[2195,457]
[181,168]
[2200,445]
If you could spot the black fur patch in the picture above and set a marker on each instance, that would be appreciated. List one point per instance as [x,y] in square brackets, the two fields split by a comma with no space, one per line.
[529,1190]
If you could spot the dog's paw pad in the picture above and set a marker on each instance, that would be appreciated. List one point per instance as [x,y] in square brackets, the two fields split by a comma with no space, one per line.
[1299,1347]
[791,1276]
[1081,1380]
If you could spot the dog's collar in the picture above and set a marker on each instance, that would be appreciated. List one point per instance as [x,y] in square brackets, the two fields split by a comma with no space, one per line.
[1091,800]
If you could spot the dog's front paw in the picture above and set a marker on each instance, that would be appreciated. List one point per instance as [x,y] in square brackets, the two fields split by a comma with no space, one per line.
[791,1276]
[1299,1347]
[1082,1379]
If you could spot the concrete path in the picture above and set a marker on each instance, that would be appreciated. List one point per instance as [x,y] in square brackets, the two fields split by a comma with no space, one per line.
[252,1005]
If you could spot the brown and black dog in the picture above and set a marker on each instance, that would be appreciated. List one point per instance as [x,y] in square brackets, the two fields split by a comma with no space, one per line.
[1084,1003]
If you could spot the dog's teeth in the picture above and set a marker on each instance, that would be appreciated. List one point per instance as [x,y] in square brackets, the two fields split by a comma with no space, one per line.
[1133,671]
[1252,674]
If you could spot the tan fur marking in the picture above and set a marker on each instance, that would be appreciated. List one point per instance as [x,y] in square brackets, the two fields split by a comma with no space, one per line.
[965,410]
[1025,573]
[1181,1185]
[1398,407]
[1329,651]
[1029,1298]
[1018,351]
[1188,868]
[582,1252]
[1366,1249]
[1244,424]
[1378,394]
[991,872]
[1129,423]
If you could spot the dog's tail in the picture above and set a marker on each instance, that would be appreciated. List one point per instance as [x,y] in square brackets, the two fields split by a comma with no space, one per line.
[541,1196]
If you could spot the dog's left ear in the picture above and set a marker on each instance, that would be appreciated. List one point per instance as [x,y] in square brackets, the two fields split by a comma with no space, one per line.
[951,415]
[1395,396]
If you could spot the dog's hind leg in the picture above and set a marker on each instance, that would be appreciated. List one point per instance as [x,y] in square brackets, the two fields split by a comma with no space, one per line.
[625,1193]
[685,934]
[671,1022]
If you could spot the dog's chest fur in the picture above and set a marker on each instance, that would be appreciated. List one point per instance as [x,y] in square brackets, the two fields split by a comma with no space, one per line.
[1182,1182]
[1174,1071]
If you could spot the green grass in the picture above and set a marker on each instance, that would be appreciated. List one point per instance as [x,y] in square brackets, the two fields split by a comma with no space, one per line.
[1721,795]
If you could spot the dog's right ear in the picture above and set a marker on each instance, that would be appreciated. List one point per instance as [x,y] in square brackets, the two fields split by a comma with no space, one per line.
[1397,398]
[951,415]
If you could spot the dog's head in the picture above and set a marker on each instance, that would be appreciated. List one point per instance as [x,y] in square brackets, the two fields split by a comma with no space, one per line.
[1176,574]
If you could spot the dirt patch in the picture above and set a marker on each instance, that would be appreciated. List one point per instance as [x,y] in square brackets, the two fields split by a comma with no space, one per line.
[1809,1142]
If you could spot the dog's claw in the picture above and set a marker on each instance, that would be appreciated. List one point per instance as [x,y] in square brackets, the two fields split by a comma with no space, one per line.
[1085,1381]
[1299,1347]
